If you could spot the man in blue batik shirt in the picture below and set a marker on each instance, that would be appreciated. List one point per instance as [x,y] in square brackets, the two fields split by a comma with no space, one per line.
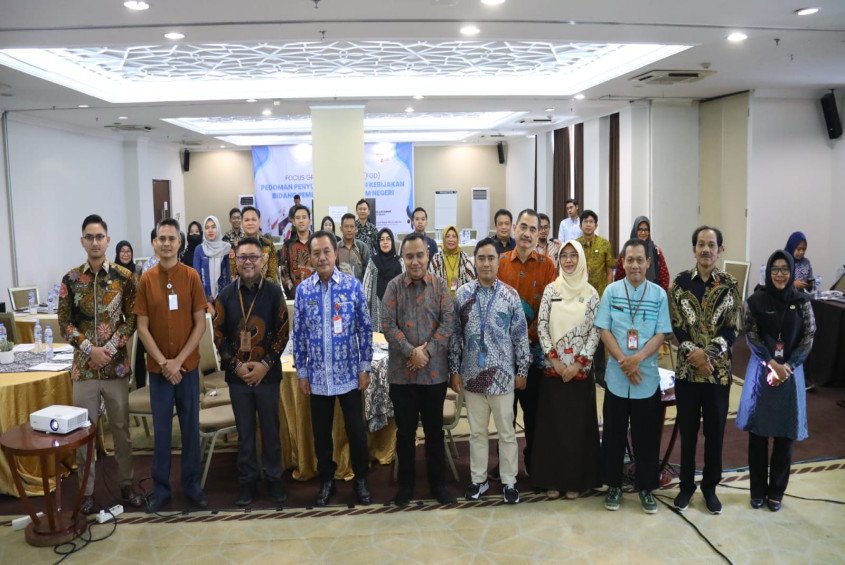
[633,317]
[333,352]
[488,358]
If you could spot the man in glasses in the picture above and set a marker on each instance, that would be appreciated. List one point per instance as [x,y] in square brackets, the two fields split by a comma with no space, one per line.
[171,320]
[250,332]
[547,245]
[97,317]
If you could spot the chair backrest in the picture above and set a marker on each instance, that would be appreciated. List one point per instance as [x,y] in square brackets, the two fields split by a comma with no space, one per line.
[209,362]
[19,296]
[131,346]
[840,284]
[739,270]
[8,320]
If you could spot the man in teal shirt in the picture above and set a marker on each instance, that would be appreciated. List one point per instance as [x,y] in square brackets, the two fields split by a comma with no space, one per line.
[633,317]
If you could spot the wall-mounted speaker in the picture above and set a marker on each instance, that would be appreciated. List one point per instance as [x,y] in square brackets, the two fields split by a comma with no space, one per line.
[500,148]
[186,161]
[831,116]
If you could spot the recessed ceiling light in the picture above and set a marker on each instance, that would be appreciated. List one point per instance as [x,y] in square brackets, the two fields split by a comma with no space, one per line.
[82,106]
[409,109]
[222,147]
[470,29]
[266,112]
[136,5]
[550,109]
[806,11]
[492,2]
[418,96]
[174,35]
[251,100]
[737,36]
[123,117]
[579,96]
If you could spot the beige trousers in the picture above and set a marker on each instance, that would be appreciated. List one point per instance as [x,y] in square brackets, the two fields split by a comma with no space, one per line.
[479,408]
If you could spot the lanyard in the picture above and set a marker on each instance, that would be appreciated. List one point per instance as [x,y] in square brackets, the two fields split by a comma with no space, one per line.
[640,303]
[482,318]
[251,306]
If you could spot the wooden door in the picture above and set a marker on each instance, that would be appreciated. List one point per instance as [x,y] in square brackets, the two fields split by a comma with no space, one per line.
[161,200]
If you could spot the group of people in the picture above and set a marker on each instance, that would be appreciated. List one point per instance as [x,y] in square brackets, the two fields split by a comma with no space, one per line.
[527,321]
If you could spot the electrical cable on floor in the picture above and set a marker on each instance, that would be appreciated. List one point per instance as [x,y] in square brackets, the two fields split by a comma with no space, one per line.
[73,548]
[662,499]
[828,500]
[148,495]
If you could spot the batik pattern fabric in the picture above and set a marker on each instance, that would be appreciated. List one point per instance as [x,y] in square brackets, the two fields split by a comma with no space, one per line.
[578,344]
[367,233]
[98,309]
[295,262]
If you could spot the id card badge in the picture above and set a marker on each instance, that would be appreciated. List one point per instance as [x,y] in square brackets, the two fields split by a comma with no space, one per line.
[173,301]
[778,350]
[337,324]
[454,285]
[633,340]
[246,342]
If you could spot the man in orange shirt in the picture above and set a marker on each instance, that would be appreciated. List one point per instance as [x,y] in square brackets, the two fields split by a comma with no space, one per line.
[170,306]
[528,272]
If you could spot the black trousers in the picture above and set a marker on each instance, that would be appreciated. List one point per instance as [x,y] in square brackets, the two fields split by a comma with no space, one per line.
[527,399]
[769,476]
[645,418]
[599,365]
[247,402]
[697,402]
[411,404]
[322,422]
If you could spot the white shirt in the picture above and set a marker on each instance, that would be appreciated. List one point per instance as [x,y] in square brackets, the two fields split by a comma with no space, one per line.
[569,229]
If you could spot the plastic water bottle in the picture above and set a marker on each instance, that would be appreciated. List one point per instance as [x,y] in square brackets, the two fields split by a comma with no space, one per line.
[48,344]
[55,298]
[763,274]
[2,332]
[36,348]
[33,307]
[817,287]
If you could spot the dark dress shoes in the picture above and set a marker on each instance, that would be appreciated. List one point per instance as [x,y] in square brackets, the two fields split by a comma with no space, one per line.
[130,497]
[362,491]
[246,496]
[326,492]
[442,495]
[403,496]
[774,505]
[155,504]
[757,503]
[277,492]
[198,500]
[88,505]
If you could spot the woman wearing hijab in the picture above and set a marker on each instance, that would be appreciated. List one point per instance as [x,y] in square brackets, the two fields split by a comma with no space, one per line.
[566,450]
[211,260]
[451,264]
[657,272]
[194,240]
[384,266]
[124,256]
[779,327]
[796,246]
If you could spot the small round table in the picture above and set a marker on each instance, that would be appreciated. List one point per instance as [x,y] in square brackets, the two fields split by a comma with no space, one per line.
[58,525]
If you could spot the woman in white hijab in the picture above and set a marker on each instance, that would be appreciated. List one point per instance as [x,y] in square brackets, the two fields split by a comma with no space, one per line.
[211,261]
[566,446]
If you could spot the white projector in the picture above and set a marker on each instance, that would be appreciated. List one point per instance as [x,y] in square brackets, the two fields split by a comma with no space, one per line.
[59,419]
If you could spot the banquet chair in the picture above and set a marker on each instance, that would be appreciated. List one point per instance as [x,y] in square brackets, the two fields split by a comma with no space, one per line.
[8,320]
[19,296]
[214,422]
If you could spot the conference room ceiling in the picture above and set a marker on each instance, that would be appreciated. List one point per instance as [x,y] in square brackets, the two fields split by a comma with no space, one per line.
[517,76]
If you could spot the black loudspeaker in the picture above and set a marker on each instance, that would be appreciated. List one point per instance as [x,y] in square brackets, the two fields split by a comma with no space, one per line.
[186,161]
[500,147]
[831,116]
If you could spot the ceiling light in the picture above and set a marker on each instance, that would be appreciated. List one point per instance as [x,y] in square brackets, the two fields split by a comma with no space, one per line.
[579,96]
[737,36]
[251,100]
[136,5]
[266,112]
[222,147]
[806,11]
[174,35]
[409,109]
[418,96]
[492,2]
[470,29]
[82,106]
[550,109]
[123,118]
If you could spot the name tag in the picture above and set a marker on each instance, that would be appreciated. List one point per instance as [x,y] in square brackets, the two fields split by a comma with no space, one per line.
[454,285]
[779,351]
[173,301]
[246,342]
[337,324]
[633,340]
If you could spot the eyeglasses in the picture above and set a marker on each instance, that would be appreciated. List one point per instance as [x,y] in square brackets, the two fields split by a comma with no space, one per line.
[568,256]
[247,258]
[643,230]
[780,270]
[90,238]
[544,228]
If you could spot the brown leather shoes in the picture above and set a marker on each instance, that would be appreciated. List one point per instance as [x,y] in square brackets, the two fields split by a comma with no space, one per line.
[130,497]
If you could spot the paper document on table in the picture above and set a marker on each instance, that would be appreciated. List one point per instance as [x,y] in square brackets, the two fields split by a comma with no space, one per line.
[378,355]
[63,348]
[63,357]
[22,347]
[50,367]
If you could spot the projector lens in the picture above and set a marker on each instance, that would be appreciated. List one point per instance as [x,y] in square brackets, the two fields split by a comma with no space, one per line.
[54,425]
